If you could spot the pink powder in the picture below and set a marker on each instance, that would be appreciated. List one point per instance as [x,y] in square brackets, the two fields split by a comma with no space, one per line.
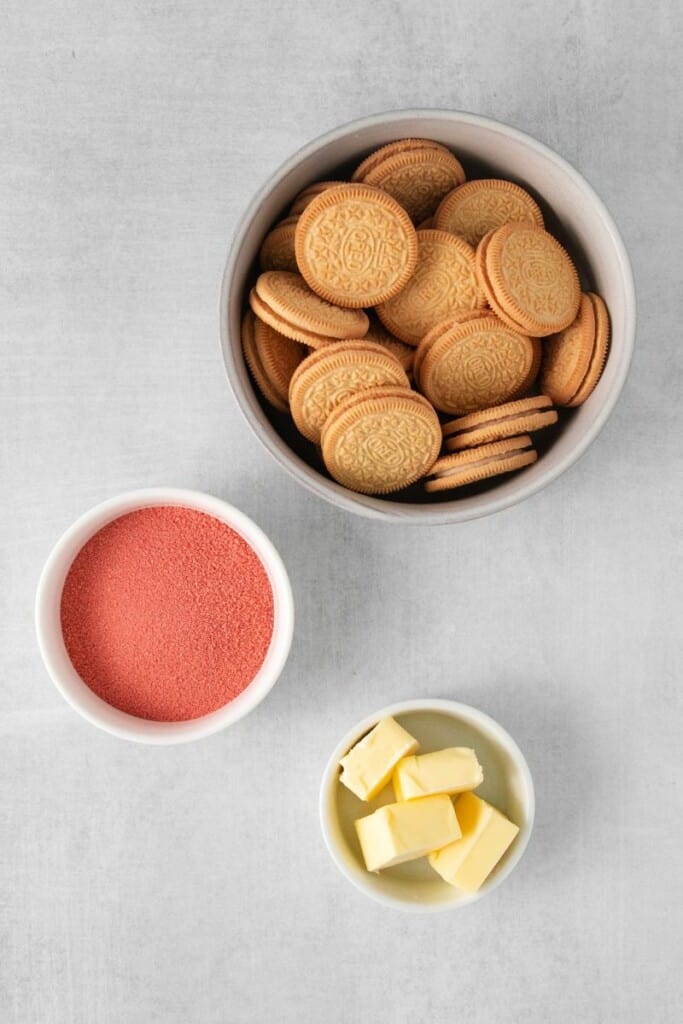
[167,613]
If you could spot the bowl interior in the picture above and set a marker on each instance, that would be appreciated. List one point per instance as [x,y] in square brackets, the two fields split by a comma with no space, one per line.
[55,654]
[488,149]
[507,785]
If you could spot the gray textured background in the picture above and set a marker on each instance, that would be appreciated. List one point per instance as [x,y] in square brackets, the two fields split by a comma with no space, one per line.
[190,885]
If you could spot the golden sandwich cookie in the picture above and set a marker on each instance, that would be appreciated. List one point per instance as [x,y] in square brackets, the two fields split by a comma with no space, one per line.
[355,246]
[285,301]
[529,279]
[277,251]
[418,178]
[391,149]
[253,361]
[308,194]
[485,284]
[475,364]
[332,373]
[461,317]
[279,355]
[444,282]
[480,463]
[574,359]
[381,440]
[521,417]
[477,207]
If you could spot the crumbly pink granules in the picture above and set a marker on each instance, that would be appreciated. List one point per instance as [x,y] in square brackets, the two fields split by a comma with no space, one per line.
[167,613]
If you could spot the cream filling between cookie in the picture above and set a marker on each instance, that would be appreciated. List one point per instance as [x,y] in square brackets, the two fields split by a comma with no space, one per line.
[464,431]
[467,467]
[595,356]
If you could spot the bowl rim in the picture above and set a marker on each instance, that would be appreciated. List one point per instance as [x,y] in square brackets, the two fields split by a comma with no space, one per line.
[113,720]
[330,779]
[367,505]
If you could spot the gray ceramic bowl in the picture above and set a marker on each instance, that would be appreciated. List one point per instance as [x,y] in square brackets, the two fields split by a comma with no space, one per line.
[487,148]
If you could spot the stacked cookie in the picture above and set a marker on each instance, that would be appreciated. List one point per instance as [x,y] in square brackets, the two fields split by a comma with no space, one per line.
[374,333]
[418,173]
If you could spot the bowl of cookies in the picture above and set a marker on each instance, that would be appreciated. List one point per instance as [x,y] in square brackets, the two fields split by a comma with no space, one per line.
[427,316]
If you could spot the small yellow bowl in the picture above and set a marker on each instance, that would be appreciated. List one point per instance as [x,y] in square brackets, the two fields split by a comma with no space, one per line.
[415,886]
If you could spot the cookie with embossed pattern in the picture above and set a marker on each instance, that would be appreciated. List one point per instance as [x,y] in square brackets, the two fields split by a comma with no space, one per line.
[279,356]
[381,336]
[253,361]
[477,207]
[265,313]
[277,250]
[391,149]
[381,440]
[480,463]
[444,282]
[483,280]
[475,364]
[573,359]
[355,246]
[522,417]
[531,277]
[308,194]
[480,263]
[328,376]
[418,179]
[285,301]
[430,337]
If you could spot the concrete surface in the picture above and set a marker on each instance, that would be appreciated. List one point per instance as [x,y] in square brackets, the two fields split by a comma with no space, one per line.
[190,885]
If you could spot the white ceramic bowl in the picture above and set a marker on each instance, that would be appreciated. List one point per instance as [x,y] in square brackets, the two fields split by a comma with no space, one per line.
[436,724]
[490,149]
[70,684]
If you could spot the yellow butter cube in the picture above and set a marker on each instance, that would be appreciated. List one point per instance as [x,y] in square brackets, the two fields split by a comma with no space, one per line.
[486,835]
[453,770]
[367,767]
[405,831]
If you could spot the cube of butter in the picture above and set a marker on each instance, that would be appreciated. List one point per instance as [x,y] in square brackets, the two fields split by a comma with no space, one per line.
[368,766]
[453,770]
[405,831]
[486,835]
